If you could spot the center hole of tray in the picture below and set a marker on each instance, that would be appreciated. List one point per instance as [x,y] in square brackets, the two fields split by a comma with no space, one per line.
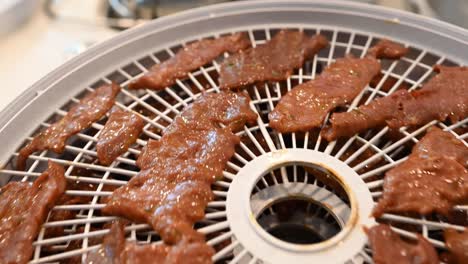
[299,221]
[300,203]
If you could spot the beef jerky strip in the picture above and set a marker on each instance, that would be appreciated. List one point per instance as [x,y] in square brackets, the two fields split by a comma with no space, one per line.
[90,109]
[306,105]
[173,188]
[389,248]
[120,132]
[457,245]
[190,58]
[115,249]
[272,61]
[432,179]
[23,209]
[227,108]
[444,96]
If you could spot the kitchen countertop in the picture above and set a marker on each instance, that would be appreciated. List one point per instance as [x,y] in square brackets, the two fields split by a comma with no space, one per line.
[42,44]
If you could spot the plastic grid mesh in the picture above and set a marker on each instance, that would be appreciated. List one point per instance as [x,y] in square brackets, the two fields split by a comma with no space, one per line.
[370,153]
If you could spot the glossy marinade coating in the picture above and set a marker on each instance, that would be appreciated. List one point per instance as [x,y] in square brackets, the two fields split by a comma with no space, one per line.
[23,209]
[445,96]
[272,61]
[116,250]
[457,245]
[189,58]
[434,178]
[173,188]
[90,109]
[306,105]
[388,248]
[120,132]
[194,130]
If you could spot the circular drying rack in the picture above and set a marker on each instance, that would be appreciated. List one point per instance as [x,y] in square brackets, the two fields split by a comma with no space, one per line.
[247,222]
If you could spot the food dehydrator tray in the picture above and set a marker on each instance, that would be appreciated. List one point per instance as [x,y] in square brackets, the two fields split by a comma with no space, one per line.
[270,171]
